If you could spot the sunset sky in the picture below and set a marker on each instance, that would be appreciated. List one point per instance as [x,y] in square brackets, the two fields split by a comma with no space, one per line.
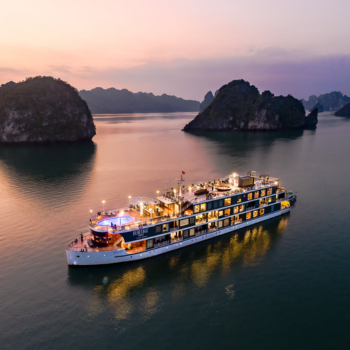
[182,47]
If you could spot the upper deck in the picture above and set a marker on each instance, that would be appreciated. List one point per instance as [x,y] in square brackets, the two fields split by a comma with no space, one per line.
[171,205]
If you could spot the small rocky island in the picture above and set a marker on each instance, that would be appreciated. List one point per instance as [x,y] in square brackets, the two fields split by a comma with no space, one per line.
[239,106]
[43,110]
[343,112]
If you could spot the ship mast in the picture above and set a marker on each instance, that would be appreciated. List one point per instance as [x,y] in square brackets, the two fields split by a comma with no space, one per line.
[179,182]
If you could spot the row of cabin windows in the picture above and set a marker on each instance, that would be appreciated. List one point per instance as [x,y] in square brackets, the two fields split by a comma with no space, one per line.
[227,201]
[211,216]
[218,224]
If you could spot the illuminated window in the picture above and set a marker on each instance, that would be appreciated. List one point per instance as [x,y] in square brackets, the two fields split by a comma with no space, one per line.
[269,199]
[241,207]
[248,216]
[227,201]
[256,194]
[184,222]
[250,196]
[239,199]
[196,208]
[192,232]
[269,191]
[149,243]
[263,193]
[255,213]
[221,213]
[262,211]
[235,209]
[203,207]
[227,212]
[220,223]
[226,222]
[165,227]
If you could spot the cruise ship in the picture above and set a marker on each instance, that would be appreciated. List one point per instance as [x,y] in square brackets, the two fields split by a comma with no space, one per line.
[179,217]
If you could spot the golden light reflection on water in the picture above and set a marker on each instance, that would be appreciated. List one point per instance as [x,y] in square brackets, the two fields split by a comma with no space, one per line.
[151,285]
[118,291]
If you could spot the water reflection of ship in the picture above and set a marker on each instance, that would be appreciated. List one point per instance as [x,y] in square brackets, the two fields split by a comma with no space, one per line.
[119,284]
[48,163]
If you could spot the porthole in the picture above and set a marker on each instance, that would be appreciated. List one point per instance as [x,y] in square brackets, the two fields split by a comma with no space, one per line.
[78,256]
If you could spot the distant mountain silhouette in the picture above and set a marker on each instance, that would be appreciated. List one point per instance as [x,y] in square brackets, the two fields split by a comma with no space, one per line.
[111,100]
[332,101]
[208,99]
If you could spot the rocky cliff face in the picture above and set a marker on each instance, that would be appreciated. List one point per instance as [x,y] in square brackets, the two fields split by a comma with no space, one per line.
[208,99]
[44,109]
[344,112]
[239,106]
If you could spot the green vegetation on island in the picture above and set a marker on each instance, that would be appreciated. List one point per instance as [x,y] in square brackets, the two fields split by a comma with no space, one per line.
[43,109]
[239,106]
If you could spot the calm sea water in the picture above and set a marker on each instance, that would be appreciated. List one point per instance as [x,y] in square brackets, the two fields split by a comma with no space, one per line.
[282,284]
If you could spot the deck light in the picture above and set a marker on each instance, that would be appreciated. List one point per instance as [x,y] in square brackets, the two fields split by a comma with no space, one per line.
[157,191]
[91,214]
[103,202]
[129,197]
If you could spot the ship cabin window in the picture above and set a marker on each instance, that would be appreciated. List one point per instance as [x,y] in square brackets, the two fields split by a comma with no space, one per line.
[220,223]
[235,209]
[221,213]
[262,211]
[239,199]
[209,205]
[158,228]
[285,204]
[196,208]
[192,218]
[200,219]
[269,200]
[248,216]
[221,203]
[235,220]
[165,227]
[255,213]
[250,196]
[149,243]
[241,208]
[161,240]
[203,207]
[216,204]
[227,212]
[184,222]
[185,233]
[256,194]
[212,226]
[227,201]
[213,215]
[263,193]
[226,222]
[269,191]
[191,232]
[176,237]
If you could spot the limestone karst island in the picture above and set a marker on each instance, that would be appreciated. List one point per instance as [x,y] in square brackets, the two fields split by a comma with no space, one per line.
[239,106]
[43,110]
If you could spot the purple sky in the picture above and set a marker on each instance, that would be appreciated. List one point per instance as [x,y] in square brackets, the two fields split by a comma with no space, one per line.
[182,47]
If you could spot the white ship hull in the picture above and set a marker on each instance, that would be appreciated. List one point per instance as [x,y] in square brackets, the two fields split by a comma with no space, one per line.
[118,256]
